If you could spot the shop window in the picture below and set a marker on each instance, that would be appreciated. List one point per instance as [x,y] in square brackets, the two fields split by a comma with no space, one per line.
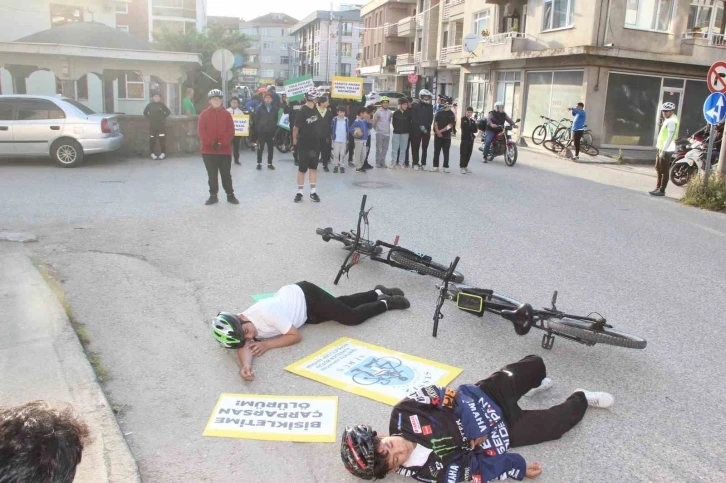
[694,95]
[550,94]
[631,109]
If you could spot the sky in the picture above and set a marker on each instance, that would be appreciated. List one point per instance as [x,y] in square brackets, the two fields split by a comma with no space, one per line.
[249,9]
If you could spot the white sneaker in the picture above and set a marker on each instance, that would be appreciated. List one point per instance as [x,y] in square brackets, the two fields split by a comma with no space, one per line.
[468,171]
[446,170]
[601,400]
[463,170]
[434,170]
[162,156]
[546,384]
[153,156]
[416,167]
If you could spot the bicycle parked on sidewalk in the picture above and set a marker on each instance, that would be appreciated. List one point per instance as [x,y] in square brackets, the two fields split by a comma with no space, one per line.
[561,141]
[589,330]
[357,243]
[550,129]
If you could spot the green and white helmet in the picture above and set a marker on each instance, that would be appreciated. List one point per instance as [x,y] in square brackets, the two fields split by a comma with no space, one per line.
[227,329]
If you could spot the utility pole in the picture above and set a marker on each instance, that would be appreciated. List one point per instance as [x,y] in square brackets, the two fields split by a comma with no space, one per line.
[720,170]
[330,29]
[339,68]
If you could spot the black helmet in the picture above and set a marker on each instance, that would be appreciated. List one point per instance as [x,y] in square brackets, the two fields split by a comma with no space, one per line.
[357,451]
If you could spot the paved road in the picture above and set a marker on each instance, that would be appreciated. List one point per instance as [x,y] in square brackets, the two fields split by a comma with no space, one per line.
[146,265]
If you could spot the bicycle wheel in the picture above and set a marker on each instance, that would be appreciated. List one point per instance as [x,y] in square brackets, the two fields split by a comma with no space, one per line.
[282,140]
[539,134]
[563,136]
[587,137]
[589,149]
[583,330]
[418,264]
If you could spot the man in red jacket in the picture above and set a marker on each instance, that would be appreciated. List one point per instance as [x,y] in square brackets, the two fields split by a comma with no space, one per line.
[216,130]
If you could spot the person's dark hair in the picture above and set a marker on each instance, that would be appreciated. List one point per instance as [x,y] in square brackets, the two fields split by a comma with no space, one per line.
[469,109]
[340,108]
[322,99]
[38,443]
[402,100]
[361,110]
[267,94]
[580,105]
[380,460]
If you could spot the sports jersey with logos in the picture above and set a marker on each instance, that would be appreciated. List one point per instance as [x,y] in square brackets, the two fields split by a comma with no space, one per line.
[445,420]
[306,123]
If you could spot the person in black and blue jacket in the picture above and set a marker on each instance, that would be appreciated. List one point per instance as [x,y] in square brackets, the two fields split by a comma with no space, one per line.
[444,435]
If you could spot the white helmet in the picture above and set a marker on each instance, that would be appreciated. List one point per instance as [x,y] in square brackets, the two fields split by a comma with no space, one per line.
[668,106]
[215,93]
[311,94]
[498,104]
[424,92]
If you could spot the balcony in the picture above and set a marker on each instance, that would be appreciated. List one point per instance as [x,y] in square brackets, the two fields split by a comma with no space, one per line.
[452,8]
[446,53]
[704,47]
[405,59]
[390,30]
[407,27]
[420,20]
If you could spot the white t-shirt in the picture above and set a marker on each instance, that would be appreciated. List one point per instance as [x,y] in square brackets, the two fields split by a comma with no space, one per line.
[279,313]
[419,457]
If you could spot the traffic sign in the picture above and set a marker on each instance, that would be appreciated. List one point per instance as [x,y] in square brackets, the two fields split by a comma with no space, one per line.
[716,78]
[412,78]
[714,109]
[222,60]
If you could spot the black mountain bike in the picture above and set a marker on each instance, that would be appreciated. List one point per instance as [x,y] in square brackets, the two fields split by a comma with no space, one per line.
[589,330]
[358,244]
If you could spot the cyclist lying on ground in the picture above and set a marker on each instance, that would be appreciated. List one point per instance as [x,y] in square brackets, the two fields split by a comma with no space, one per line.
[274,322]
[439,434]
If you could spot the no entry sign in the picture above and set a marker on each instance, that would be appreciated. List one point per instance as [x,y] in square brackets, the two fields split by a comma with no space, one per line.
[412,78]
[716,78]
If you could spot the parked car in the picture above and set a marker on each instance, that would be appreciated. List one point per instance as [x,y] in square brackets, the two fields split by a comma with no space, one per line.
[59,127]
[374,98]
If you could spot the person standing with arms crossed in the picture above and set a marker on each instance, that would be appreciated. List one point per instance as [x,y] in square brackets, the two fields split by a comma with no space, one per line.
[666,144]
[234,109]
[422,117]
[382,125]
[264,128]
[578,125]
[305,140]
[444,123]
[157,112]
[468,135]
[216,130]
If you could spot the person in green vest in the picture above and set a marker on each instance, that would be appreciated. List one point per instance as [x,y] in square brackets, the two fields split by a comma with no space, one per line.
[666,145]
[188,103]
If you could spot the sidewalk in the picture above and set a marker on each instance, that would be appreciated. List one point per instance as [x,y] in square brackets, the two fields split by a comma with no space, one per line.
[41,358]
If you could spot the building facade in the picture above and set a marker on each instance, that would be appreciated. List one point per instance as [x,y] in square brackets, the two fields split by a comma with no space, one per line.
[141,18]
[382,45]
[327,43]
[269,58]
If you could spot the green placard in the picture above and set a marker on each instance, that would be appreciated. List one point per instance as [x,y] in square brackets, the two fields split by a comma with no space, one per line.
[297,86]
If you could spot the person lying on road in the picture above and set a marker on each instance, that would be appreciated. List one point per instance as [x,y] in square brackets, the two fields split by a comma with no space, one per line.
[274,322]
[439,434]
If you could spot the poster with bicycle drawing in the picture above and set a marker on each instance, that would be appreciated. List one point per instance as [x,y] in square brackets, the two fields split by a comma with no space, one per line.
[372,371]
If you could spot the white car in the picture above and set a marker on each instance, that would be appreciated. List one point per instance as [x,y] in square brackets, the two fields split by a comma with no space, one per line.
[58,127]
[374,98]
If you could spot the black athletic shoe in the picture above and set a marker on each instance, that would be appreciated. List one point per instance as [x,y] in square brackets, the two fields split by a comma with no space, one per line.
[367,166]
[270,166]
[259,166]
[315,197]
[342,169]
[389,291]
[232,199]
[351,164]
[360,170]
[212,200]
[405,165]
[326,169]
[236,161]
[335,169]
[658,193]
[396,302]
[298,198]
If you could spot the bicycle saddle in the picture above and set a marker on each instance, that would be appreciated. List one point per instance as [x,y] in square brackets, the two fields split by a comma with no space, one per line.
[522,318]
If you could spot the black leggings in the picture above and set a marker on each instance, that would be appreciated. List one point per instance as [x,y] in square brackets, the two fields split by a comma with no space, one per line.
[348,309]
[577,137]
[510,383]
[265,139]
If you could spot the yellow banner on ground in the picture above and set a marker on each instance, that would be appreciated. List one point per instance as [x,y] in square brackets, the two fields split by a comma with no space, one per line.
[301,419]
[371,371]
[241,124]
[347,87]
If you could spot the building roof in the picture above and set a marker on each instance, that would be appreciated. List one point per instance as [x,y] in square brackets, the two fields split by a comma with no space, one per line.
[229,22]
[346,16]
[273,19]
[87,34]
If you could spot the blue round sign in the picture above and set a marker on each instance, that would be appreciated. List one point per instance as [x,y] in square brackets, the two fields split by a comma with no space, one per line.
[714,109]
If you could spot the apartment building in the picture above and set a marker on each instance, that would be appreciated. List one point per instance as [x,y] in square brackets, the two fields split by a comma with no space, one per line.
[622,58]
[327,43]
[269,58]
[382,45]
[141,18]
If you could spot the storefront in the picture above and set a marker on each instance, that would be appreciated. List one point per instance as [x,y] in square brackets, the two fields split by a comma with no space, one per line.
[509,91]
[550,93]
[476,93]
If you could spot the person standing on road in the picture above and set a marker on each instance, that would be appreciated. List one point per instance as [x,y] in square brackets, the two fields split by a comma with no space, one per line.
[216,130]
[264,128]
[234,109]
[157,112]
[401,120]
[382,125]
[360,130]
[422,119]
[326,118]
[441,434]
[468,135]
[666,145]
[188,108]
[455,110]
[578,125]
[339,137]
[444,123]
[492,125]
[306,142]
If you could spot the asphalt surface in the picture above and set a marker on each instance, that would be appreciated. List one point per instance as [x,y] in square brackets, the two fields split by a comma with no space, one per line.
[146,266]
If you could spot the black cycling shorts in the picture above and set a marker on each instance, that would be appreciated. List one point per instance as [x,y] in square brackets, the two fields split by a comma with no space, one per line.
[307,157]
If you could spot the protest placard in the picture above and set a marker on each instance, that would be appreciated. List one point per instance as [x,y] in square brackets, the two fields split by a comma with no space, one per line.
[283,120]
[347,88]
[297,86]
[372,371]
[241,124]
[278,418]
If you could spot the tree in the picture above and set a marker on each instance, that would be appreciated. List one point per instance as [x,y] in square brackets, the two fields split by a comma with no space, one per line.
[203,43]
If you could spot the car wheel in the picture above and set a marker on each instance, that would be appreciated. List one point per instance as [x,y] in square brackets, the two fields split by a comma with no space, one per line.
[67,153]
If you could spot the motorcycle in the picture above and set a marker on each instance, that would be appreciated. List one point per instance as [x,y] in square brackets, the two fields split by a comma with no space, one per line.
[693,162]
[503,145]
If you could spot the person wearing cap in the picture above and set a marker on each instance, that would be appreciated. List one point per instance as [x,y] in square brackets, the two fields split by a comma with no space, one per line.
[216,130]
[234,109]
[442,434]
[666,145]
[382,126]
[274,322]
[307,143]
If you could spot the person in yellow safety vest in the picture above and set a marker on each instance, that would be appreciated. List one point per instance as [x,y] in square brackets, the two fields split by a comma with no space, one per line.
[666,146]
